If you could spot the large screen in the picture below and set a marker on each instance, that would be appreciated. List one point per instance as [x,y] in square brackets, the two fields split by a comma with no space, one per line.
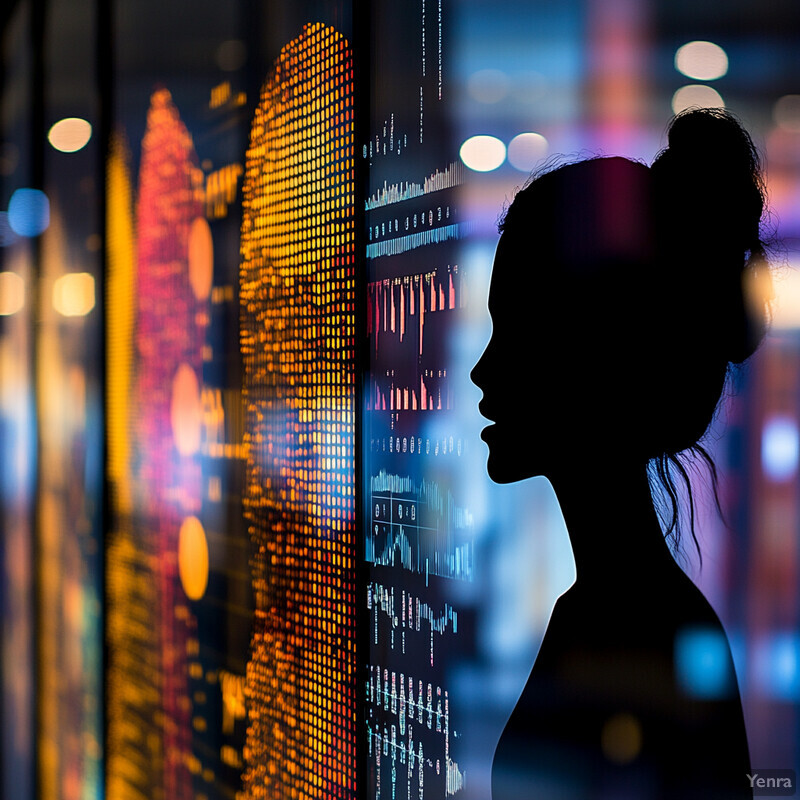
[231,563]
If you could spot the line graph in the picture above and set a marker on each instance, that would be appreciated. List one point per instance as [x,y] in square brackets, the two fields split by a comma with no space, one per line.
[391,193]
[406,613]
[418,527]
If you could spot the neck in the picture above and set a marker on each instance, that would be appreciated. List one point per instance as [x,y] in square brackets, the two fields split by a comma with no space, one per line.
[612,523]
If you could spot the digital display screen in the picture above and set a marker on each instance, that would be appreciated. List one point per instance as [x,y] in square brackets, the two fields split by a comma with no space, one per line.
[231,564]
[297,333]
[418,526]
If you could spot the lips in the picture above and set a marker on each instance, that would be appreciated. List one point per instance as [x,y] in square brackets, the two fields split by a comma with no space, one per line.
[485,412]
[487,432]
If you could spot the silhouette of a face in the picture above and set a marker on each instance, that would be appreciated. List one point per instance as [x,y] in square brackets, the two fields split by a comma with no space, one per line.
[564,375]
[532,371]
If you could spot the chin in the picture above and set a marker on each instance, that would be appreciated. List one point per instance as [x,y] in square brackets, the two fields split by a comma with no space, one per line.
[508,460]
[507,468]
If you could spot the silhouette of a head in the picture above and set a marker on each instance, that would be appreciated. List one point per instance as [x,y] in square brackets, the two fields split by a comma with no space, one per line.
[619,301]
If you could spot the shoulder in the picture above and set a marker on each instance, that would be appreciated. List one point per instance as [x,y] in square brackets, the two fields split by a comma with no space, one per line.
[660,625]
[653,657]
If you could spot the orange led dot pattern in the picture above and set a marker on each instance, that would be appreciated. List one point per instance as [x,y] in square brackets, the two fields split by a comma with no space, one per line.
[297,295]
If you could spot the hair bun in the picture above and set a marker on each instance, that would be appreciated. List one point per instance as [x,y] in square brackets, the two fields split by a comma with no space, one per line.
[710,199]
[714,159]
[712,133]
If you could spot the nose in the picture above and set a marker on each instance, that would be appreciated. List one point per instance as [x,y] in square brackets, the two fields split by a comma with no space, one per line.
[477,371]
[484,373]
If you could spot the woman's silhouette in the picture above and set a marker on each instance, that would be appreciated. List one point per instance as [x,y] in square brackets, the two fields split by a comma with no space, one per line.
[618,306]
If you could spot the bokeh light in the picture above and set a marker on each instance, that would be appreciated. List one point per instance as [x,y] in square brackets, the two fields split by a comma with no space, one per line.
[702,663]
[28,212]
[780,448]
[70,135]
[786,112]
[786,306]
[73,294]
[777,665]
[621,738]
[526,150]
[12,293]
[483,153]
[701,61]
[193,558]
[488,85]
[696,95]
[186,410]
[201,258]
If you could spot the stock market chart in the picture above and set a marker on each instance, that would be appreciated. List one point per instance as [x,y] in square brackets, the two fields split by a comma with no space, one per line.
[418,528]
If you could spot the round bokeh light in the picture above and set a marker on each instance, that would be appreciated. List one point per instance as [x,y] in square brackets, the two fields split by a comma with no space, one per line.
[483,153]
[193,558]
[70,135]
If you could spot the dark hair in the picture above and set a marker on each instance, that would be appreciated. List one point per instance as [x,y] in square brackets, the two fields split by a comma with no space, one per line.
[688,232]
[710,171]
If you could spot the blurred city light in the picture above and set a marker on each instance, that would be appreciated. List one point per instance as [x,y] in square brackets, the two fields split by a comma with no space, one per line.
[621,738]
[28,212]
[193,558]
[696,95]
[786,112]
[12,293]
[483,153]
[186,411]
[777,665]
[786,308]
[780,448]
[526,150]
[201,258]
[73,294]
[70,135]
[702,663]
[488,85]
[701,61]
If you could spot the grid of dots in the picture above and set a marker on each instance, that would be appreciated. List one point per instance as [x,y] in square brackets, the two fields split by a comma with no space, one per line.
[297,320]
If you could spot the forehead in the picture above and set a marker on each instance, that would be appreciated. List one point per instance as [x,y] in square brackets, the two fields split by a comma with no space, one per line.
[583,217]
[520,268]
[533,295]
